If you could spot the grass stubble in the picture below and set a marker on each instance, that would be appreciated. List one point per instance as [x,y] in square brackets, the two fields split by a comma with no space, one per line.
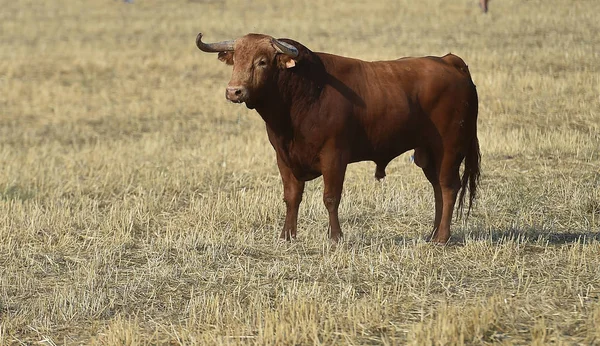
[137,206]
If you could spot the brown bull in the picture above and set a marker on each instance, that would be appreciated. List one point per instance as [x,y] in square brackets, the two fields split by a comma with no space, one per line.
[324,111]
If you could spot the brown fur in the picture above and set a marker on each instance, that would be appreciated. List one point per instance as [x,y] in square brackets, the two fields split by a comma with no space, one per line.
[329,111]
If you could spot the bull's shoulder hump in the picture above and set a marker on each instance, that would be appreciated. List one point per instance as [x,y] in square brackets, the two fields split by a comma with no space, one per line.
[338,59]
[340,65]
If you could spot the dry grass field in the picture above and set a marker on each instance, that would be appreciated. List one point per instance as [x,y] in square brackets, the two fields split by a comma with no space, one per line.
[138,206]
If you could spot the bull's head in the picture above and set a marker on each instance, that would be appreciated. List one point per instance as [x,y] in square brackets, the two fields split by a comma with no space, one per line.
[255,59]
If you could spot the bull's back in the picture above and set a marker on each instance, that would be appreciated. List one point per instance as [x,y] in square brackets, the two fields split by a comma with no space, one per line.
[399,98]
[403,92]
[391,86]
[376,78]
[396,98]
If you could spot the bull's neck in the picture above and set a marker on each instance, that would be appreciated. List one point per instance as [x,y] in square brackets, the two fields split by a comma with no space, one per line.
[276,114]
[295,92]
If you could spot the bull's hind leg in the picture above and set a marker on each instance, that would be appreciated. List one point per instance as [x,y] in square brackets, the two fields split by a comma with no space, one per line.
[449,180]
[423,159]
[450,185]
[443,174]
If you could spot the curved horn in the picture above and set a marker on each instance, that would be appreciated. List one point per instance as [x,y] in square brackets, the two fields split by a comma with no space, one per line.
[224,46]
[285,48]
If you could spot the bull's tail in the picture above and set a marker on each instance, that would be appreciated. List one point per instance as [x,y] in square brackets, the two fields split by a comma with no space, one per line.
[470,177]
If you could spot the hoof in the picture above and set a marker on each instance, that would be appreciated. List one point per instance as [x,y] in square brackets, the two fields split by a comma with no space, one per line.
[335,240]
[334,244]
[286,236]
[438,241]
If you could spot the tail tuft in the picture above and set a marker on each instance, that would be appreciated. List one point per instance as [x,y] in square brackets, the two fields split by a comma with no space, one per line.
[470,176]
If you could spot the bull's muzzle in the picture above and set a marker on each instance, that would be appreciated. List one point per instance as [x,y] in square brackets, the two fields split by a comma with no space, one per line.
[236,94]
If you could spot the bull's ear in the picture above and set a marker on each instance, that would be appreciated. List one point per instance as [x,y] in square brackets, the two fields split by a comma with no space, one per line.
[226,57]
[285,61]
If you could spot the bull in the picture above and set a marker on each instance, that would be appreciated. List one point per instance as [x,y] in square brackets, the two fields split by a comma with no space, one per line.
[323,112]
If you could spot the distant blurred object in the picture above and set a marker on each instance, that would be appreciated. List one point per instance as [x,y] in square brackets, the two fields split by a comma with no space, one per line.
[484,5]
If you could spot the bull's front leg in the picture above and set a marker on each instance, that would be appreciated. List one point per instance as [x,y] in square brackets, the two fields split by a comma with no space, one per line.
[333,168]
[292,195]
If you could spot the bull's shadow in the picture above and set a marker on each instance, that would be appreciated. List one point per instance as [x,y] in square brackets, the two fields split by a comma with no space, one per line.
[346,91]
[526,236]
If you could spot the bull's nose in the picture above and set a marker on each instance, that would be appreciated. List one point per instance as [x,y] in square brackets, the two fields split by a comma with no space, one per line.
[235,94]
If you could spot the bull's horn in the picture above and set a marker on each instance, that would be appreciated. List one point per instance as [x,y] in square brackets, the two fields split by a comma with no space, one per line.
[285,48]
[217,47]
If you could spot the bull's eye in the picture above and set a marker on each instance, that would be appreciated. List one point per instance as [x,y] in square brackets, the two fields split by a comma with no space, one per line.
[262,63]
